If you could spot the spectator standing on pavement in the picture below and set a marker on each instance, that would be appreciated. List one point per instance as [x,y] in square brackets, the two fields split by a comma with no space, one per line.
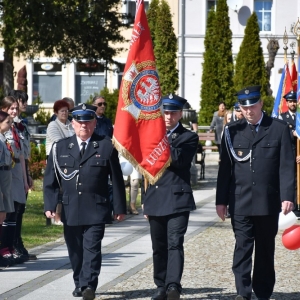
[19,184]
[58,129]
[256,178]
[6,203]
[227,117]
[168,203]
[61,127]
[104,125]
[22,127]
[71,106]
[80,165]
[217,124]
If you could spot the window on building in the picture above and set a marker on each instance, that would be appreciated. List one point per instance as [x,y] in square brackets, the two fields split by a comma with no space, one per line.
[121,68]
[211,4]
[130,8]
[89,79]
[47,81]
[263,11]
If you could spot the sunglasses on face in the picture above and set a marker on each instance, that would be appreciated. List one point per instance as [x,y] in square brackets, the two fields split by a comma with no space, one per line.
[101,103]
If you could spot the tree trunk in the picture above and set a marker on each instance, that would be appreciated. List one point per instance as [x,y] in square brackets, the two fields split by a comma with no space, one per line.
[8,68]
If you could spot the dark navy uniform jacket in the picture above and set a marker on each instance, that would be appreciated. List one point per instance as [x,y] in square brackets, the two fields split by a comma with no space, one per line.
[287,117]
[85,197]
[257,186]
[104,126]
[172,193]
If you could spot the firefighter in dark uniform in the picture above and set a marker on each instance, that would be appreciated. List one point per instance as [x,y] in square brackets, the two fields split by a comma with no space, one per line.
[80,165]
[290,118]
[256,179]
[168,203]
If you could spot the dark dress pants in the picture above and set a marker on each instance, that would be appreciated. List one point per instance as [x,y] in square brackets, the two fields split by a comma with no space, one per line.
[167,235]
[84,247]
[261,231]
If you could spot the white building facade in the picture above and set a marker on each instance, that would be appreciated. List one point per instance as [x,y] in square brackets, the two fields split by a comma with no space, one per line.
[274,17]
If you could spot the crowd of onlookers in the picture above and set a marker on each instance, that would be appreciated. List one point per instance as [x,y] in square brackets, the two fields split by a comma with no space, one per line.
[15,179]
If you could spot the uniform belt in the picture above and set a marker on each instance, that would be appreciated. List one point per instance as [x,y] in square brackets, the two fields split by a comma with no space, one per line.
[5,168]
[16,160]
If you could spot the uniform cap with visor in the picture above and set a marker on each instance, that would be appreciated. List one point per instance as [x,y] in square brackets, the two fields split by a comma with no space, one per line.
[249,96]
[236,106]
[84,112]
[173,102]
[291,96]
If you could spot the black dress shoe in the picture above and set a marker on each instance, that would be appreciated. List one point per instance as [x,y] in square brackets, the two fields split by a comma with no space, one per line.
[77,292]
[88,294]
[160,294]
[173,293]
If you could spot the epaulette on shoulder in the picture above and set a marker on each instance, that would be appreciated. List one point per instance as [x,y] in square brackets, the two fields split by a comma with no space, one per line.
[279,120]
[63,139]
[107,138]
[233,123]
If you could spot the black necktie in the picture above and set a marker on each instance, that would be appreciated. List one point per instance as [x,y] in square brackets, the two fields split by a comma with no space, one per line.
[168,131]
[253,128]
[83,145]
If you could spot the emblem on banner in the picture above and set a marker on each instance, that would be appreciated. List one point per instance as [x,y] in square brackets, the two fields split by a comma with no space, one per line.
[141,91]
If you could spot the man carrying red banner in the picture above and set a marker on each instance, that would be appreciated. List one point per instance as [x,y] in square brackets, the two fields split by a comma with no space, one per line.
[140,131]
[167,203]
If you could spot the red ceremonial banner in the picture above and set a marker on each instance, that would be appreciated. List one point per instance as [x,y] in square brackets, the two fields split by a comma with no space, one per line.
[294,76]
[287,87]
[139,130]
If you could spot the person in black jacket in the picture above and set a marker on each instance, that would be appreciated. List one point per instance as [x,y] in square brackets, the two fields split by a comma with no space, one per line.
[104,125]
[168,203]
[80,165]
[256,179]
[290,118]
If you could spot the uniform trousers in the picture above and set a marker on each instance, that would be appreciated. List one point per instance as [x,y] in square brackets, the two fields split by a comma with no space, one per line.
[261,231]
[167,235]
[84,248]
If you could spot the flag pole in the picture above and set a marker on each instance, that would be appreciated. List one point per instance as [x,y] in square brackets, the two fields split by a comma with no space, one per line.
[296,31]
[285,47]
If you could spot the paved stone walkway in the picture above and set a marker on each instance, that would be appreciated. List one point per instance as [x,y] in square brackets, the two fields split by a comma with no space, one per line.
[127,261]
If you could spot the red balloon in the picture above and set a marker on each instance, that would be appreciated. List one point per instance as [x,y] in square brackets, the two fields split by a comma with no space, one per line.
[291,237]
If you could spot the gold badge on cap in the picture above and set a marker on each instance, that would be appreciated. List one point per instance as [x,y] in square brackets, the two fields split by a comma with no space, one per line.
[240,153]
[247,92]
[83,106]
[65,171]
[170,96]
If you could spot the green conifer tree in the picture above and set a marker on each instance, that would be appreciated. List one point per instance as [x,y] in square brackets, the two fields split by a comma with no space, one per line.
[209,74]
[165,50]
[151,17]
[250,64]
[222,41]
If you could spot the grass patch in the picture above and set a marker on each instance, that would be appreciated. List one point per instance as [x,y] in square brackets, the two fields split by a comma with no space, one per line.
[35,232]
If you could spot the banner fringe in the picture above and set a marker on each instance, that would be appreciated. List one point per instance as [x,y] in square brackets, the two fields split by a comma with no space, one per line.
[125,153]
